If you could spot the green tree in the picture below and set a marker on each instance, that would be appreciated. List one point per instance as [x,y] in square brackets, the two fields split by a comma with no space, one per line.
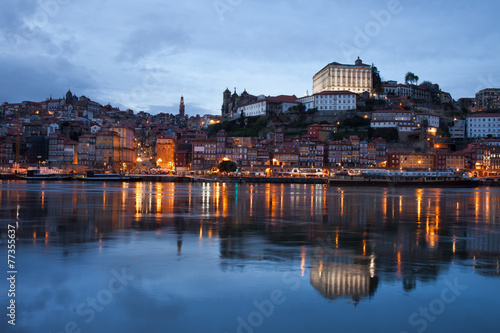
[411,78]
[227,166]
[241,121]
[300,111]
[261,122]
[355,121]
[390,134]
[312,111]
[377,81]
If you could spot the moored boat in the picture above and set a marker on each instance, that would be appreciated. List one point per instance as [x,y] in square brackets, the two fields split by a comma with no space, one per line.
[43,173]
[382,177]
[44,177]
[91,176]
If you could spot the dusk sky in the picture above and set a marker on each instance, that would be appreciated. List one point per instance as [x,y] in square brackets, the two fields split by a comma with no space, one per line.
[144,55]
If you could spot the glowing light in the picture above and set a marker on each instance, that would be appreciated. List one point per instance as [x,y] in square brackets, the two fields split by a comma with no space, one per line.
[303,261]
[342,203]
[138,198]
[419,204]
[159,189]
[372,266]
[398,272]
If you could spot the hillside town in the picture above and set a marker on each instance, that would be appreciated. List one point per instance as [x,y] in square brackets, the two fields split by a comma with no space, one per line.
[351,119]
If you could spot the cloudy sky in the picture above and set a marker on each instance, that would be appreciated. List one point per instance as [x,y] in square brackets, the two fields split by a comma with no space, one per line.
[144,55]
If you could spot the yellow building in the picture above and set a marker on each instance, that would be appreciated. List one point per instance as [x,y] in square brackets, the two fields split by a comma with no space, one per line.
[106,150]
[356,78]
[416,161]
[165,152]
[126,152]
[455,162]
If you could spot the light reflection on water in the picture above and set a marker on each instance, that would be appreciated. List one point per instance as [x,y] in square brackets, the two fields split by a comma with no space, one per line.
[210,250]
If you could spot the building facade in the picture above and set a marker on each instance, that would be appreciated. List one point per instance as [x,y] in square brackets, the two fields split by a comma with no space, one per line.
[62,150]
[488,99]
[165,152]
[321,132]
[328,102]
[410,161]
[407,90]
[86,150]
[482,125]
[107,154]
[267,106]
[125,150]
[458,129]
[231,102]
[355,78]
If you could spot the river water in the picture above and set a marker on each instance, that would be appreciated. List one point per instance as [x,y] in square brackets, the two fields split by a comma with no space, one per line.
[164,257]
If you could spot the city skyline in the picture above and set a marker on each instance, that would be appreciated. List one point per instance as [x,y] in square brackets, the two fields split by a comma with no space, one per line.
[145,56]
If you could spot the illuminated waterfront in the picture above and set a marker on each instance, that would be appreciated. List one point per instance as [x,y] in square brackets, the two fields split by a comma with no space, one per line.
[253,258]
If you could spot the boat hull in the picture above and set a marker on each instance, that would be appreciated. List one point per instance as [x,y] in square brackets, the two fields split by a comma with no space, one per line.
[106,178]
[45,177]
[388,182]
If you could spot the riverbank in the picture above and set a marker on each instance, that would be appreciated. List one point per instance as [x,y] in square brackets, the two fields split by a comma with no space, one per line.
[249,180]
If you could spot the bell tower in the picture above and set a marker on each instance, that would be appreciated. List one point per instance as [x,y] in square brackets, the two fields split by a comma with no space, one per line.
[182,107]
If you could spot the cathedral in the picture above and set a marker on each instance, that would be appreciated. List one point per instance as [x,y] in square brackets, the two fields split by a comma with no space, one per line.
[231,102]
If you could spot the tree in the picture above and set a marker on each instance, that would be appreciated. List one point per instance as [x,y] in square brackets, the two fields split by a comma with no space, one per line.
[312,111]
[355,121]
[261,122]
[227,166]
[377,81]
[300,111]
[242,119]
[411,78]
[390,133]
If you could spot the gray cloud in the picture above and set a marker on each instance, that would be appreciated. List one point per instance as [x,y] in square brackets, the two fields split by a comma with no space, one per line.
[156,39]
[35,78]
[104,49]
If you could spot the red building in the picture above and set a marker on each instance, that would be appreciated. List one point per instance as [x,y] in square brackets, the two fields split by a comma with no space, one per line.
[321,132]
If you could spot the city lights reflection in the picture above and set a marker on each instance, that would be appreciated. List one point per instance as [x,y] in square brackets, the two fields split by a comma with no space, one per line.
[345,239]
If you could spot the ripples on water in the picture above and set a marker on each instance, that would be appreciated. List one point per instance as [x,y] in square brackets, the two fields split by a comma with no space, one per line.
[210,257]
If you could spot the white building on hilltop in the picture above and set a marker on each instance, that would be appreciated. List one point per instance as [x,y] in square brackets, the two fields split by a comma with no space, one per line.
[481,125]
[267,106]
[356,78]
[328,102]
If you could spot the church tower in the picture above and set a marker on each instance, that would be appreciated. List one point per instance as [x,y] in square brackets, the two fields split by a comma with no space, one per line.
[226,100]
[182,107]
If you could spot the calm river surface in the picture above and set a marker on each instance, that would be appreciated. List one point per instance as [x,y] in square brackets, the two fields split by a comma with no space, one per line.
[162,257]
